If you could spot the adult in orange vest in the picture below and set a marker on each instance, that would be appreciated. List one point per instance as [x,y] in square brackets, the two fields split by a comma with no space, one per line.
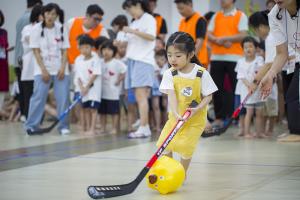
[195,25]
[226,30]
[90,24]
[161,25]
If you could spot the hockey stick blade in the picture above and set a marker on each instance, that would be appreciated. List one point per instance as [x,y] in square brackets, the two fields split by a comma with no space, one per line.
[41,131]
[101,192]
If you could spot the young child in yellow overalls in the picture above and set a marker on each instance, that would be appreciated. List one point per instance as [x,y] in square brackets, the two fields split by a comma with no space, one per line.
[184,82]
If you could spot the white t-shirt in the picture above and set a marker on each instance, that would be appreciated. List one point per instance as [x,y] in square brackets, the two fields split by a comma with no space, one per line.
[85,69]
[121,36]
[28,57]
[50,46]
[207,83]
[85,30]
[247,70]
[138,48]
[111,71]
[285,29]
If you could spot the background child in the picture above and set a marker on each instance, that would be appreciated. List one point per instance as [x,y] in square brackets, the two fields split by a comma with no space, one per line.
[113,75]
[184,82]
[88,78]
[247,67]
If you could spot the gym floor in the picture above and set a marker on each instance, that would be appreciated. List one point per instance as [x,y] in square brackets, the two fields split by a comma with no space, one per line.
[54,167]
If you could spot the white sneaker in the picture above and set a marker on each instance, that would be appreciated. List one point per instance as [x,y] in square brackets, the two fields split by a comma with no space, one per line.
[147,131]
[23,119]
[136,124]
[64,131]
[141,132]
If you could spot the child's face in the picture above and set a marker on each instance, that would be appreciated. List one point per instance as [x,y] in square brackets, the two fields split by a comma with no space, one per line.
[107,53]
[284,3]
[249,49]
[159,45]
[262,31]
[85,49]
[160,61]
[50,17]
[177,58]
[122,50]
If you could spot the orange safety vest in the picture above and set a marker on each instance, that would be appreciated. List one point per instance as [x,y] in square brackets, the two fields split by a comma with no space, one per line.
[159,22]
[190,28]
[227,26]
[77,30]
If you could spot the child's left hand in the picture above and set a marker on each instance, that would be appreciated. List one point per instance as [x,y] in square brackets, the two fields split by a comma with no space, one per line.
[193,110]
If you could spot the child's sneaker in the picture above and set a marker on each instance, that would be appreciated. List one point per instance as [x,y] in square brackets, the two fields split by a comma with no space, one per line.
[64,131]
[141,132]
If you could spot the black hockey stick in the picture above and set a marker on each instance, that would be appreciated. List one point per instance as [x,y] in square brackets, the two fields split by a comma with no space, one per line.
[63,115]
[102,192]
[219,131]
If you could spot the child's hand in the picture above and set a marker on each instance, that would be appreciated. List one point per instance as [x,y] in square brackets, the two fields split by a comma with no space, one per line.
[193,110]
[178,117]
[227,44]
[252,87]
[84,91]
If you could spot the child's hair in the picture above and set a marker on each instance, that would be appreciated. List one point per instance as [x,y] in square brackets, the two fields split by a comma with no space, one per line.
[259,18]
[31,3]
[270,1]
[209,15]
[85,39]
[109,44]
[120,20]
[99,41]
[249,39]
[161,53]
[279,15]
[49,7]
[184,42]
[35,13]
[184,1]
[144,4]
[94,9]
[2,19]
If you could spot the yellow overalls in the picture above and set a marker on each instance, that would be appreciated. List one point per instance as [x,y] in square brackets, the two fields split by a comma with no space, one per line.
[187,138]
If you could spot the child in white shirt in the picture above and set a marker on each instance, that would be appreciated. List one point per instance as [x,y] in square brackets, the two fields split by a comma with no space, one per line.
[87,80]
[113,75]
[247,67]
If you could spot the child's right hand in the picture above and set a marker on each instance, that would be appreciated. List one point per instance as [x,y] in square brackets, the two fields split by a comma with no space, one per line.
[45,76]
[84,91]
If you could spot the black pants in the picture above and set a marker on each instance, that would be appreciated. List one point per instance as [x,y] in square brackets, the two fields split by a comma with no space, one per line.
[27,87]
[292,101]
[20,99]
[223,100]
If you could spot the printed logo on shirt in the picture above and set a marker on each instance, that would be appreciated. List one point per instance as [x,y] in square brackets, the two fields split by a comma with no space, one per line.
[111,73]
[187,91]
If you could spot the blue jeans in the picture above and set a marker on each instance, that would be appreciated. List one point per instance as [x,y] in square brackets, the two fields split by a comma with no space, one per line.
[39,98]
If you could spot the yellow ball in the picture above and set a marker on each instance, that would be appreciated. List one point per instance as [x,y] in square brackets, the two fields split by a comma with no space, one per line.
[166,175]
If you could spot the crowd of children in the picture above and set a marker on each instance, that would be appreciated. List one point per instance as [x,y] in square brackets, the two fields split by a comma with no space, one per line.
[129,70]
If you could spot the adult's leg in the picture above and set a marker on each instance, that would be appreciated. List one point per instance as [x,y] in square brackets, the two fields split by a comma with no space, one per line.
[142,95]
[61,93]
[27,92]
[292,100]
[217,72]
[37,103]
[229,103]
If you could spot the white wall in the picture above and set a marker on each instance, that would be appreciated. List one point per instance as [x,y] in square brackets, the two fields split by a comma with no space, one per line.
[13,9]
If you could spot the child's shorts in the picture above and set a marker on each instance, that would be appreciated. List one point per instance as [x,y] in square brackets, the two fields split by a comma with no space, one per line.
[258,105]
[91,104]
[271,108]
[109,107]
[237,102]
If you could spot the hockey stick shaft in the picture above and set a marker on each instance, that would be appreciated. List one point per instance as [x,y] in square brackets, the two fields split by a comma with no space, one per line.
[61,117]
